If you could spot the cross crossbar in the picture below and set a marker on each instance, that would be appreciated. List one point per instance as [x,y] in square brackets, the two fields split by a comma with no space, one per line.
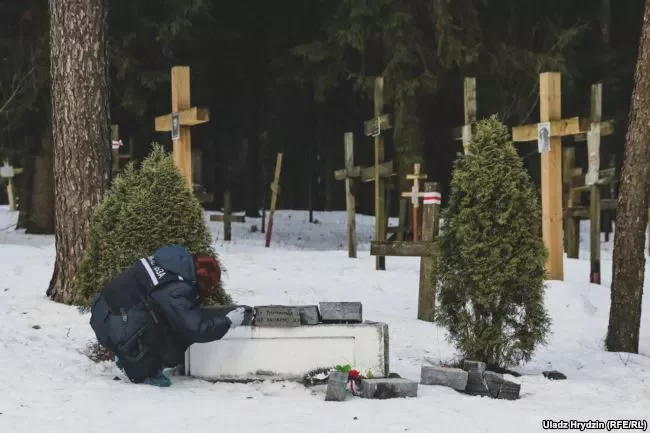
[190,117]
[404,248]
[560,128]
[365,174]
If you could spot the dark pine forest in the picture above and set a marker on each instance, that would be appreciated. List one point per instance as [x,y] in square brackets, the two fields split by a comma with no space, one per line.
[293,76]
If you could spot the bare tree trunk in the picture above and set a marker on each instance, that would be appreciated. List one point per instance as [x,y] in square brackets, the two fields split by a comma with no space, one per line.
[632,212]
[80,123]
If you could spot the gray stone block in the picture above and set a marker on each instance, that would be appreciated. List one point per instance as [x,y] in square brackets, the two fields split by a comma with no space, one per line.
[277,316]
[309,315]
[341,312]
[475,383]
[501,388]
[444,376]
[337,386]
[385,388]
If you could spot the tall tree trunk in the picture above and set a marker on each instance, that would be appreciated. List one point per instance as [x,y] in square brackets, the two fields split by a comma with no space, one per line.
[632,212]
[80,123]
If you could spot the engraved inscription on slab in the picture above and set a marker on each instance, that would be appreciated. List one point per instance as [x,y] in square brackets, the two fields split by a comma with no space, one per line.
[277,316]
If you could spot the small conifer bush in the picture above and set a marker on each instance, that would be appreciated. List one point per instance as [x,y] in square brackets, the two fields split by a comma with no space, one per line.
[491,287]
[144,210]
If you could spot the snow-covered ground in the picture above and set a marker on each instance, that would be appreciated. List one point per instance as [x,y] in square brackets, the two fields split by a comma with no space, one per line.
[48,385]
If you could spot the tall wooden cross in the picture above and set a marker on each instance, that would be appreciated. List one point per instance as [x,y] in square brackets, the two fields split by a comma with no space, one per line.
[374,128]
[275,190]
[415,195]
[465,132]
[549,133]
[179,121]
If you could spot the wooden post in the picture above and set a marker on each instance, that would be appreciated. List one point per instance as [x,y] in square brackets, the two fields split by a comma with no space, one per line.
[591,179]
[380,234]
[551,109]
[401,225]
[116,143]
[428,265]
[350,200]
[275,189]
[465,132]
[182,117]
[571,224]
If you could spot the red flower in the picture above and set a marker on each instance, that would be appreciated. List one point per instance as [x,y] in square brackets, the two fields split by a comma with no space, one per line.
[353,375]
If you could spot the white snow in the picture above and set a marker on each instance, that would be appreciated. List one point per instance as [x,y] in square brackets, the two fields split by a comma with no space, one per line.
[48,385]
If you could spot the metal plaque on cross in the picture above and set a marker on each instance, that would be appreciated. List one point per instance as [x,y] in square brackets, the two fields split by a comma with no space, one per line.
[544,137]
[176,126]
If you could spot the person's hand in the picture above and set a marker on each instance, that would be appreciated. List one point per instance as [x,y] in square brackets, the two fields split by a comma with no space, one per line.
[236,317]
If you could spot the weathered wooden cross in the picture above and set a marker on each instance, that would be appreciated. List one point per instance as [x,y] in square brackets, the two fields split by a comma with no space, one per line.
[228,218]
[374,128]
[464,133]
[352,175]
[181,119]
[7,171]
[427,249]
[275,190]
[415,195]
[549,133]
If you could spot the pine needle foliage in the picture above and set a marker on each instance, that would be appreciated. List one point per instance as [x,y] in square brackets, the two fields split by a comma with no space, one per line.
[144,210]
[492,261]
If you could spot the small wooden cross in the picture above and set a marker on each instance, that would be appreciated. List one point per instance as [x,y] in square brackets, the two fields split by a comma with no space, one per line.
[465,132]
[179,121]
[7,171]
[373,128]
[228,218]
[551,159]
[415,195]
[275,190]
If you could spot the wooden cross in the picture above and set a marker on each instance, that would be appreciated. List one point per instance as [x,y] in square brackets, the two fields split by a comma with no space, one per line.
[7,171]
[182,117]
[353,174]
[415,195]
[275,190]
[374,128]
[427,249]
[228,218]
[465,132]
[549,133]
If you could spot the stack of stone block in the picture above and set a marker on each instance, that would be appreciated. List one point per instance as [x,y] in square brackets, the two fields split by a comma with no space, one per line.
[472,379]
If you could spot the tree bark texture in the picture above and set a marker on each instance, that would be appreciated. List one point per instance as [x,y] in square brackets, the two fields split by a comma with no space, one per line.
[632,211]
[80,124]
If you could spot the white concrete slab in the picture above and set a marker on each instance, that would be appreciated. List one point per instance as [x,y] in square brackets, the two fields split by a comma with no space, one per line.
[254,353]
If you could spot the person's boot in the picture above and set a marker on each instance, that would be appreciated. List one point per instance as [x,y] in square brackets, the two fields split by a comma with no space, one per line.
[160,380]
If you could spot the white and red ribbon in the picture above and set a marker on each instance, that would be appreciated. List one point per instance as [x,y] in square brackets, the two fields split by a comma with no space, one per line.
[432,198]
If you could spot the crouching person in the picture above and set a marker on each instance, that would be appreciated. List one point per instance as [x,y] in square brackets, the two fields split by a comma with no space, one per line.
[149,314]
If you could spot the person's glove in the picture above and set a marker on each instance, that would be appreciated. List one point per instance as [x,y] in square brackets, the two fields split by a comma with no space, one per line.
[236,317]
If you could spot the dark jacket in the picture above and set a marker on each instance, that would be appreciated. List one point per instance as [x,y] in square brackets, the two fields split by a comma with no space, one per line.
[149,314]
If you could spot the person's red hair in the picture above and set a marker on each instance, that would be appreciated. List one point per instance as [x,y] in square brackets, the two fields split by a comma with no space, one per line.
[208,275]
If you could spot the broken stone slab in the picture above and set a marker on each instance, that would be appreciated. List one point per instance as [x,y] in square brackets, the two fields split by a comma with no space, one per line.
[337,386]
[385,388]
[501,388]
[554,375]
[341,312]
[277,316]
[455,378]
[475,382]
[309,315]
